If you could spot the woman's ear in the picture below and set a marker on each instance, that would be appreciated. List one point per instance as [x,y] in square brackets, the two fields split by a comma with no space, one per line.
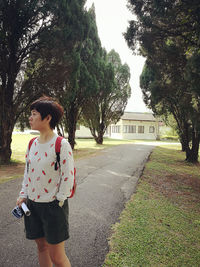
[49,117]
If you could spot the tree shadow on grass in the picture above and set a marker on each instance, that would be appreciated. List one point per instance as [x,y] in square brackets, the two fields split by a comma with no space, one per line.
[177,181]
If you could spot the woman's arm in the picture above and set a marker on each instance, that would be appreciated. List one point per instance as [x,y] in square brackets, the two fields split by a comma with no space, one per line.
[66,171]
[23,193]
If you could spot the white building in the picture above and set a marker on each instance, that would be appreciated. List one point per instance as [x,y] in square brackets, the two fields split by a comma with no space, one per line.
[135,125]
[83,132]
[132,125]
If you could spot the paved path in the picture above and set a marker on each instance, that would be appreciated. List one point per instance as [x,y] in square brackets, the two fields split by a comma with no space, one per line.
[105,183]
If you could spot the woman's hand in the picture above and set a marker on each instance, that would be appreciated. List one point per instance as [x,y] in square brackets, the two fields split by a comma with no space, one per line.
[20,201]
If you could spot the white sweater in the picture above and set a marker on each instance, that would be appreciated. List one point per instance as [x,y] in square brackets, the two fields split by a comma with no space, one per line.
[41,182]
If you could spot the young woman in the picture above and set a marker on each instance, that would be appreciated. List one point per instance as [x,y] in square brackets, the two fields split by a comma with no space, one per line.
[45,189]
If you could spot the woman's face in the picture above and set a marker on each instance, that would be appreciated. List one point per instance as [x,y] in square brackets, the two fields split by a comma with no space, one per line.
[35,120]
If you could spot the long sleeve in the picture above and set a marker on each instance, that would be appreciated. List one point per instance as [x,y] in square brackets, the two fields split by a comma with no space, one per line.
[66,171]
[23,193]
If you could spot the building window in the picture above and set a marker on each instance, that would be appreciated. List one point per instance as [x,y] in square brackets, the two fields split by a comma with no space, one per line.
[129,129]
[151,129]
[140,129]
[115,129]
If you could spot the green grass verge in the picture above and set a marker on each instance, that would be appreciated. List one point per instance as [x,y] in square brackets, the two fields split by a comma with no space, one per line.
[160,225]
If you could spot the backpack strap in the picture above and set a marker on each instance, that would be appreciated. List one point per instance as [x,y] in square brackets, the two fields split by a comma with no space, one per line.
[29,147]
[57,150]
[30,143]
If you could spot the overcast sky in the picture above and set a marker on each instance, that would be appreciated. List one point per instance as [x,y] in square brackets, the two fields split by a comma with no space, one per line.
[112,18]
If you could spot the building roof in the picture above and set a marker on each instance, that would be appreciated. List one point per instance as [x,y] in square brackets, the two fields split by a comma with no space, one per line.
[138,116]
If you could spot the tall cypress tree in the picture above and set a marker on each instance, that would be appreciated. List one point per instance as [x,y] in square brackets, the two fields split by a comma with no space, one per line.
[108,104]
[21,24]
[60,68]
[168,34]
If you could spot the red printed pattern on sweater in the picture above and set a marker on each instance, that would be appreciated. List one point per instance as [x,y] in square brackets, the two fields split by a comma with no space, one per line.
[42,183]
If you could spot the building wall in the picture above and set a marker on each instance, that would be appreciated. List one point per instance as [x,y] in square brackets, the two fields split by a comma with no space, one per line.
[128,129]
[124,130]
[83,132]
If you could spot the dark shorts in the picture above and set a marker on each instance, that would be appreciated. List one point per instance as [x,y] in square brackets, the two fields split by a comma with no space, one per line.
[47,220]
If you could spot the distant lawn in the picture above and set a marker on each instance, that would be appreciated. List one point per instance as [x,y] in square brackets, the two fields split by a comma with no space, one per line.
[88,147]
[19,145]
[83,148]
[160,225]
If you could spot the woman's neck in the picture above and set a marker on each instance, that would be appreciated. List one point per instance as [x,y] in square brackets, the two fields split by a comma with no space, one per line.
[46,136]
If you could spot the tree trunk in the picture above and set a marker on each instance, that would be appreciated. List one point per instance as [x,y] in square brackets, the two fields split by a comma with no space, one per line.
[183,147]
[71,136]
[72,120]
[192,154]
[59,131]
[184,142]
[7,121]
[6,129]
[99,139]
[101,131]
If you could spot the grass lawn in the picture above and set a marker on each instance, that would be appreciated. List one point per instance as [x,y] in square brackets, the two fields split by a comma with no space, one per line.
[83,148]
[160,225]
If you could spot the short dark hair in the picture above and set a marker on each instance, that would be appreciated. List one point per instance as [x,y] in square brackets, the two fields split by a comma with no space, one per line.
[48,106]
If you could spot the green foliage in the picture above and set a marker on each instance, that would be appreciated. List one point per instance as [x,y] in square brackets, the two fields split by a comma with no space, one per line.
[108,103]
[60,68]
[21,25]
[167,33]
[193,73]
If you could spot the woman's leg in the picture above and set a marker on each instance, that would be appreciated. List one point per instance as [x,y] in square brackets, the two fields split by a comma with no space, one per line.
[58,256]
[43,253]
